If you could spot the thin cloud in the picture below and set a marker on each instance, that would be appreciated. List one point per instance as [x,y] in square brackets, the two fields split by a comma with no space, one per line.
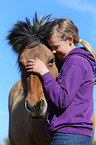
[80,5]
[4,113]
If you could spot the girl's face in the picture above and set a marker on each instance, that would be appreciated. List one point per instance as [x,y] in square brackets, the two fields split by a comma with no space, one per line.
[60,47]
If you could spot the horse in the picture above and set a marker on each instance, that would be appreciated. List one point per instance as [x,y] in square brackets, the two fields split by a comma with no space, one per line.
[27,99]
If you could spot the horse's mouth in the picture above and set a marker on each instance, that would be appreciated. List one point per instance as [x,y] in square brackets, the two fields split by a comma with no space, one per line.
[37,111]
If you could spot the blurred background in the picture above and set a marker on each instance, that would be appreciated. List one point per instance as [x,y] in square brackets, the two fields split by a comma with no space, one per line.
[81,12]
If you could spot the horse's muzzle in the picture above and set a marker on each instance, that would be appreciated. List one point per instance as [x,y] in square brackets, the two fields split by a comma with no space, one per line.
[37,110]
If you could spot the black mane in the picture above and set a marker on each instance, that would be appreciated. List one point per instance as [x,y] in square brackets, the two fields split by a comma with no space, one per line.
[23,33]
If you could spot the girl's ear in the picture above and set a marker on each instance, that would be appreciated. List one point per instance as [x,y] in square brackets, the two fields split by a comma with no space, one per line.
[70,39]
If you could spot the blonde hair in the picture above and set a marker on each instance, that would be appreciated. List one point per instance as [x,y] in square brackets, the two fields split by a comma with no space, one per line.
[65,28]
[91,50]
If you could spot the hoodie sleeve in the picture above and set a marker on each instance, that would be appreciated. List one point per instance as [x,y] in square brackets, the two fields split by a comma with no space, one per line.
[63,92]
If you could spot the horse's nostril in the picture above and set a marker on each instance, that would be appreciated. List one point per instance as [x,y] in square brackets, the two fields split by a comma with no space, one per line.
[28,106]
[42,102]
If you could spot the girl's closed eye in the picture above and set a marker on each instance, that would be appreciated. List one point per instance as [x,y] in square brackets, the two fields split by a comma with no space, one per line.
[55,47]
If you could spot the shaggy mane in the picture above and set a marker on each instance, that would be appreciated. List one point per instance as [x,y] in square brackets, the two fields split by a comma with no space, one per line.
[23,33]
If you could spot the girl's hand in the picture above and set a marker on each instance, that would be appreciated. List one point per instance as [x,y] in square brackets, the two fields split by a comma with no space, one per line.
[36,66]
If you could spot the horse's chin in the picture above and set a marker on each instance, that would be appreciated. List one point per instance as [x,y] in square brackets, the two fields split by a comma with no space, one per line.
[37,111]
[38,115]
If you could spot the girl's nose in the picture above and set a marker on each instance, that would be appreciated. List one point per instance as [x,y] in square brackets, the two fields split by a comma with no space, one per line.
[54,51]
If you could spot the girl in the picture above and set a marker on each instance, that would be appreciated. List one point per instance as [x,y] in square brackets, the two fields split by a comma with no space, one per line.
[70,105]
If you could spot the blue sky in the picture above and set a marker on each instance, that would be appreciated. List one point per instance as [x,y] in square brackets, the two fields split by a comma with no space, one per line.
[83,14]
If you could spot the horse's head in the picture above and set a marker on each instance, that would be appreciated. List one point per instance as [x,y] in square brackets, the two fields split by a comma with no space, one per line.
[35,100]
[26,43]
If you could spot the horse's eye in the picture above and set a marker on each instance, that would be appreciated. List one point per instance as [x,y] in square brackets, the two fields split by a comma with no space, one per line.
[51,61]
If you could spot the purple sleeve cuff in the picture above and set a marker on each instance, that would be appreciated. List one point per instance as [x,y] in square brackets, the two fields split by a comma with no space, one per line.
[47,77]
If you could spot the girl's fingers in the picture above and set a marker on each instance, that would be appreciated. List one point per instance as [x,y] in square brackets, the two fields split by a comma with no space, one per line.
[36,65]
[29,67]
[29,64]
[29,70]
[32,60]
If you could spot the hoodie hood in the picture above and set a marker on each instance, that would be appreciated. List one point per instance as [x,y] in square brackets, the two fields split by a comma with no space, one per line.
[84,53]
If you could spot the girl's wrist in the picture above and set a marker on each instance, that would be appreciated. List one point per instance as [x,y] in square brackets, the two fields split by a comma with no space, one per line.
[44,72]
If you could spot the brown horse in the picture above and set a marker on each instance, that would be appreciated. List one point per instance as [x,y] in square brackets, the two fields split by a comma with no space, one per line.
[27,103]
[27,100]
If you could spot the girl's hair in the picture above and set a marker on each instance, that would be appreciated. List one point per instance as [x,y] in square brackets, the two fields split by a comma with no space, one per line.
[63,28]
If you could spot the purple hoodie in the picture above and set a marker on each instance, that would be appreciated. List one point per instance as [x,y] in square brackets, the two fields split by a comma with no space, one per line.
[70,106]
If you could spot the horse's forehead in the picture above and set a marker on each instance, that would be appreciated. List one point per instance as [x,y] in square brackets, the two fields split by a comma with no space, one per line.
[40,51]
